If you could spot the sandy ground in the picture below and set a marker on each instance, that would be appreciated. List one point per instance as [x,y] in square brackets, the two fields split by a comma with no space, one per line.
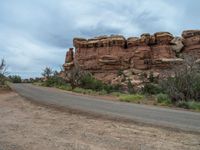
[27,126]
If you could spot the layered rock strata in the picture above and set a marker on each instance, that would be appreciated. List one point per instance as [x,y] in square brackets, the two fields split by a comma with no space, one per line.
[105,56]
[191,42]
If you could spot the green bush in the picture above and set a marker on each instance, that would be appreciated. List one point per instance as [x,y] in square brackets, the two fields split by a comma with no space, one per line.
[89,82]
[163,99]
[55,81]
[151,88]
[78,90]
[103,92]
[15,79]
[189,105]
[131,97]
[116,94]
[2,79]
[152,79]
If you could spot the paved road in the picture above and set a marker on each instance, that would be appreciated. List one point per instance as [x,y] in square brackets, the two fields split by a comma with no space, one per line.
[189,121]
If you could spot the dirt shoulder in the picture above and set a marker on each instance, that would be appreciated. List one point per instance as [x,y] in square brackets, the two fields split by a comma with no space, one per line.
[24,125]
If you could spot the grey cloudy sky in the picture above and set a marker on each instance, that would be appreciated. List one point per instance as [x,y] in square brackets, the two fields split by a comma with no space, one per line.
[37,33]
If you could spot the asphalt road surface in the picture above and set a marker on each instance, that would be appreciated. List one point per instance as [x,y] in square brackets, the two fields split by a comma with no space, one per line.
[177,119]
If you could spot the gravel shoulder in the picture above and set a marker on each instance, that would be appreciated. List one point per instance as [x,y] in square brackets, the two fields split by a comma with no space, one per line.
[24,125]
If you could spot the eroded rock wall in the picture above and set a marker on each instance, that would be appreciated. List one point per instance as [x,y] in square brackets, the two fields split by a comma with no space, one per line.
[105,56]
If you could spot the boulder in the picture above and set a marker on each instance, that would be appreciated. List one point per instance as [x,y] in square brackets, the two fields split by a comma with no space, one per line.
[152,40]
[163,37]
[190,33]
[191,42]
[177,44]
[145,39]
[133,41]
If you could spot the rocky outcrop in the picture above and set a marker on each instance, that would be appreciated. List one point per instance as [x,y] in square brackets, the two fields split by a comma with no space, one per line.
[105,56]
[69,56]
[69,60]
[177,44]
[191,42]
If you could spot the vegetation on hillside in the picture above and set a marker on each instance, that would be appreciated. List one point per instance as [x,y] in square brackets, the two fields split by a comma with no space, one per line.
[15,79]
[4,78]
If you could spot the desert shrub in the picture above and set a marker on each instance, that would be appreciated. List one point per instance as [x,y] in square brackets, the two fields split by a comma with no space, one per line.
[151,88]
[54,81]
[116,94]
[163,99]
[185,84]
[130,87]
[15,79]
[78,90]
[151,78]
[110,88]
[189,105]
[89,82]
[76,75]
[131,97]
[102,92]
[182,87]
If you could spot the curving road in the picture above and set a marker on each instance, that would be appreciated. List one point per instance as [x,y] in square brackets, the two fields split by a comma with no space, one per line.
[177,119]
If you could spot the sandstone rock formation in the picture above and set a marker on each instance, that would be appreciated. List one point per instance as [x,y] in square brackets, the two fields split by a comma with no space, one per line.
[191,42]
[69,56]
[69,59]
[105,56]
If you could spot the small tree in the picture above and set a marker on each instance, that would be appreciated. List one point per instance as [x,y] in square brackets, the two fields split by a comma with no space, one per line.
[185,84]
[75,75]
[3,72]
[47,72]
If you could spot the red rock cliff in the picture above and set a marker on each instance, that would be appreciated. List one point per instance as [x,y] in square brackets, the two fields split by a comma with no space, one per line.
[104,56]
